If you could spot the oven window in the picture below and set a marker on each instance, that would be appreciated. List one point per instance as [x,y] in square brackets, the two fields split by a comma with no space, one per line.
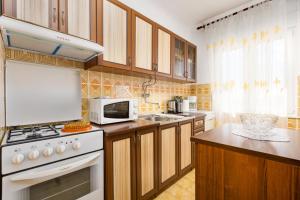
[117,110]
[68,187]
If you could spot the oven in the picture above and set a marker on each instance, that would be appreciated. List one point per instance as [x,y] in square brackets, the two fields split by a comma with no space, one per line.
[79,177]
[107,111]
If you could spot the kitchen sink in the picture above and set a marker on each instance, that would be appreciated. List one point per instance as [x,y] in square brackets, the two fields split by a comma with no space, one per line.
[160,118]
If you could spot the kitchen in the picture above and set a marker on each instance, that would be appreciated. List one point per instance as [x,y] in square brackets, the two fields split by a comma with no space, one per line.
[107,99]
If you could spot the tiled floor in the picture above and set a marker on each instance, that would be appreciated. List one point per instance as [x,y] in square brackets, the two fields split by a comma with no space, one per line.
[184,189]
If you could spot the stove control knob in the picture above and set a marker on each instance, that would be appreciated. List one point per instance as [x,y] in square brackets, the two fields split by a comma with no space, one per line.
[48,151]
[60,149]
[17,159]
[76,145]
[33,155]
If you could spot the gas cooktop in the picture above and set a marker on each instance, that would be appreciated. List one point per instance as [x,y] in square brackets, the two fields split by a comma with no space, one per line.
[32,133]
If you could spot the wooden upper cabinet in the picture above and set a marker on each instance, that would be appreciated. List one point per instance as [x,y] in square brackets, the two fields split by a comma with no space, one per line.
[164,46]
[191,65]
[81,18]
[179,66]
[114,33]
[142,43]
[77,18]
[41,12]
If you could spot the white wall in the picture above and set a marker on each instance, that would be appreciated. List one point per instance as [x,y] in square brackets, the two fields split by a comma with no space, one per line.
[203,72]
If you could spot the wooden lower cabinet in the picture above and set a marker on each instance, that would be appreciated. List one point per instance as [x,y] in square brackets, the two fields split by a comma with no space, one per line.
[168,151]
[228,175]
[120,182]
[139,165]
[146,163]
[185,147]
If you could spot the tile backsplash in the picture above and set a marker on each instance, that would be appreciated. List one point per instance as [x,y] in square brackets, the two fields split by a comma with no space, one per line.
[95,84]
[203,92]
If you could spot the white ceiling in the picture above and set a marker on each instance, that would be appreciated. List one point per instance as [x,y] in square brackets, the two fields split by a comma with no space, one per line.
[193,12]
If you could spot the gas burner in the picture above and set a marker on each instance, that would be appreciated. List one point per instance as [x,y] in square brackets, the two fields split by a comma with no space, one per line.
[31,133]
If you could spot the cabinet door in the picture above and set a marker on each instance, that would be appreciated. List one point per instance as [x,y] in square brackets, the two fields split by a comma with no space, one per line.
[179,67]
[167,155]
[163,59]
[120,167]
[146,163]
[114,33]
[143,43]
[41,12]
[81,18]
[185,146]
[191,62]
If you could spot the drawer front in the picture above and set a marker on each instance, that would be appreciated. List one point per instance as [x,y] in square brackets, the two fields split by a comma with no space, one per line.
[198,124]
[198,131]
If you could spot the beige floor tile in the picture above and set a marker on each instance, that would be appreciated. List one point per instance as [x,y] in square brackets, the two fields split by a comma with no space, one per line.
[183,189]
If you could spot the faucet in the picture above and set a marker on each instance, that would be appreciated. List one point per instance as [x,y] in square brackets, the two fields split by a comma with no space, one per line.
[145,85]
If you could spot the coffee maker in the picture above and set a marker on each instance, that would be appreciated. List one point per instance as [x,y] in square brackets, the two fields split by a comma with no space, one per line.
[176,105]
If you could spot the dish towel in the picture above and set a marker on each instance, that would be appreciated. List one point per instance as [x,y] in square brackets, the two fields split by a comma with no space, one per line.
[272,135]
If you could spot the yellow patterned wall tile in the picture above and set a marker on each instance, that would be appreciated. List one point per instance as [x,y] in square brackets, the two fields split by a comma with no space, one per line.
[84,90]
[85,104]
[84,76]
[94,91]
[63,62]
[24,56]
[107,79]
[107,91]
[78,64]
[85,115]
[47,60]
[94,78]
[9,54]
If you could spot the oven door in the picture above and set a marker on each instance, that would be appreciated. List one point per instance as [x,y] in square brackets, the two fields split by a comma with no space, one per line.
[76,178]
[117,111]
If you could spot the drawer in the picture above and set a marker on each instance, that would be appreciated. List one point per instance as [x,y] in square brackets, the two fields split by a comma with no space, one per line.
[198,123]
[198,131]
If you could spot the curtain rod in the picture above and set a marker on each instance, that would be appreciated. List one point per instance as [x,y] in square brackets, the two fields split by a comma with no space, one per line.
[233,14]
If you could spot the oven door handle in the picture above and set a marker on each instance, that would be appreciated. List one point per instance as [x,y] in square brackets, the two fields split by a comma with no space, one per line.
[55,171]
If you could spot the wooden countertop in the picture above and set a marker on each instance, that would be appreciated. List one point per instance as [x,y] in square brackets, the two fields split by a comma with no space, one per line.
[283,151]
[125,127]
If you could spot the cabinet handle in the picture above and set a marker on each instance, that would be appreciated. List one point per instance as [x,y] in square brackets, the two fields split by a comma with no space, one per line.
[62,18]
[54,15]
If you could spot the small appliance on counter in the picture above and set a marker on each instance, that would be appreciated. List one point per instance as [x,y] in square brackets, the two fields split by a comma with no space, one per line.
[186,105]
[171,106]
[108,111]
[192,103]
[179,104]
[176,105]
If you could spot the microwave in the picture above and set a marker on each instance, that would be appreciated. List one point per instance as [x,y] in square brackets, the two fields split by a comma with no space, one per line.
[107,111]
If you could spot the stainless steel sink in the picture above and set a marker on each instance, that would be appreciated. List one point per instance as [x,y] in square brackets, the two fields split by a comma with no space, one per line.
[159,118]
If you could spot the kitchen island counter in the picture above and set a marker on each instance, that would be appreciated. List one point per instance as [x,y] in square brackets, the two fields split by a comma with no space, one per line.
[234,167]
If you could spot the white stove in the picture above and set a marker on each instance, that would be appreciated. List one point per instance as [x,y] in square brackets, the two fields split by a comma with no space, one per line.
[35,157]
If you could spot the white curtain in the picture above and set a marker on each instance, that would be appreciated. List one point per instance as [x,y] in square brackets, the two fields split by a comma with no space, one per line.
[253,61]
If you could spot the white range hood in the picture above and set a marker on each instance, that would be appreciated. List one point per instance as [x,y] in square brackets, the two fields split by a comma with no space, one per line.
[18,34]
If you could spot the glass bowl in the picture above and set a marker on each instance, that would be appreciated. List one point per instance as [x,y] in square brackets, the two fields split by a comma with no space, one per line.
[258,124]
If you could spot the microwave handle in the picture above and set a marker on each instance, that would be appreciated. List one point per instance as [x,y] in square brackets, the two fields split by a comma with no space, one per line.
[52,172]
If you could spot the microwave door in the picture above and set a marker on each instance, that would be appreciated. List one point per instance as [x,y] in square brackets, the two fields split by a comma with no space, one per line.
[119,110]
